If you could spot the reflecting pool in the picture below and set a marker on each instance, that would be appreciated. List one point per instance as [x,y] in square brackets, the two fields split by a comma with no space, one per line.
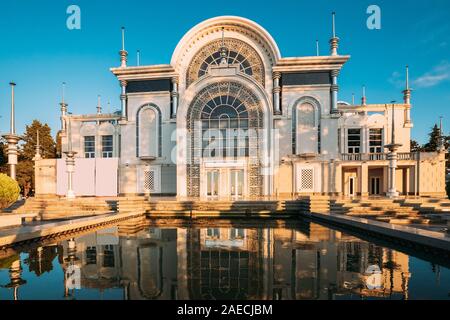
[300,260]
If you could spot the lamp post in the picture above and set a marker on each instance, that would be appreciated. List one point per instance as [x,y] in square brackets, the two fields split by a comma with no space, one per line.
[392,157]
[12,138]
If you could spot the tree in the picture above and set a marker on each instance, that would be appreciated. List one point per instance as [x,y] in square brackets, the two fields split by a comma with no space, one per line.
[27,151]
[415,146]
[3,156]
[434,140]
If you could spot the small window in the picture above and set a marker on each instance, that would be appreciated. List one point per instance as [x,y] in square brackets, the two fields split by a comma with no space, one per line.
[354,140]
[89,147]
[107,146]
[213,233]
[376,141]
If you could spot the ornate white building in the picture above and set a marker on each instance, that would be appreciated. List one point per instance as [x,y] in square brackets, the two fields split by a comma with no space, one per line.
[230,117]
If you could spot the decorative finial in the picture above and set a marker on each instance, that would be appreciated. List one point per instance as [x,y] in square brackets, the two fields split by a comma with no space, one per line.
[138,58]
[223,50]
[441,135]
[109,106]
[407,91]
[364,98]
[38,147]
[334,42]
[99,105]
[353,99]
[123,53]
[317,48]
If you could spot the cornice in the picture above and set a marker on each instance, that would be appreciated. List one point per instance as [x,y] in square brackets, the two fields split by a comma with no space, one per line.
[161,71]
[321,63]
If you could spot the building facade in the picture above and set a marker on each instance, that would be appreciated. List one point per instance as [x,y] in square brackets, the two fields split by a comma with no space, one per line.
[230,117]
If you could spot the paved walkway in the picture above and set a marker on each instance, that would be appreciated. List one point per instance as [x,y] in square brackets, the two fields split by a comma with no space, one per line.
[438,240]
[28,232]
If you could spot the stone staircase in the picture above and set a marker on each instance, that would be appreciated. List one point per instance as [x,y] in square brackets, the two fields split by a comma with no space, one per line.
[381,209]
[427,205]
[197,209]
[56,208]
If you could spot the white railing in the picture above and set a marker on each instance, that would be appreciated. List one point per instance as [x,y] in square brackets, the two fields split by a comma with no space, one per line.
[376,156]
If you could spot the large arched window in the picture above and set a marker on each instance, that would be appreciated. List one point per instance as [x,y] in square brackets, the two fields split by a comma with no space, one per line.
[306,126]
[225,128]
[148,132]
[238,53]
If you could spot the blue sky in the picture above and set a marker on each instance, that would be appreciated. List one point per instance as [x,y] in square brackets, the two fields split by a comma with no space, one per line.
[38,52]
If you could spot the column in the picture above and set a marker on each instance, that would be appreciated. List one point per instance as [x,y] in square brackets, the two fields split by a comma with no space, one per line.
[123,98]
[392,157]
[334,91]
[70,166]
[276,92]
[174,95]
[364,180]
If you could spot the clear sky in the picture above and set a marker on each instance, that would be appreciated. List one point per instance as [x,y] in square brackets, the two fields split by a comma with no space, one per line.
[38,51]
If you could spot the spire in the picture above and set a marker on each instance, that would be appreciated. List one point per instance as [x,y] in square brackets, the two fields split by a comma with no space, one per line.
[364,98]
[138,58]
[99,105]
[353,99]
[63,105]
[38,147]
[317,48]
[123,53]
[393,123]
[441,136]
[407,91]
[13,112]
[223,50]
[334,41]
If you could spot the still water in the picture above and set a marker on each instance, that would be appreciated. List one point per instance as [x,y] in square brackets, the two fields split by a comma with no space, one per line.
[224,261]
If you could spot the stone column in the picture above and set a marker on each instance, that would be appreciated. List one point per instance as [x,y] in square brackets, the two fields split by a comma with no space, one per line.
[364,180]
[276,92]
[334,91]
[174,95]
[392,188]
[123,98]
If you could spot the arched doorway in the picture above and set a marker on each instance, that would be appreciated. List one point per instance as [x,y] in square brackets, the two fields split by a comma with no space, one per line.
[224,123]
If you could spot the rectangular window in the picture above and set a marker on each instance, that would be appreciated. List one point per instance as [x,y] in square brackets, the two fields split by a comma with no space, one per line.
[376,141]
[89,147]
[354,140]
[339,140]
[107,146]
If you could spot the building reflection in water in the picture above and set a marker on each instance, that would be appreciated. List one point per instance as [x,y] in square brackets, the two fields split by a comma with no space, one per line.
[307,261]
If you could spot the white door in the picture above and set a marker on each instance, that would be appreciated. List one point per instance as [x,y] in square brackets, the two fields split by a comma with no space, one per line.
[212,183]
[237,183]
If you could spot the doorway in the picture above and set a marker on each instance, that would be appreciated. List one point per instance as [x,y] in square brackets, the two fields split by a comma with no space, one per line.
[237,183]
[212,183]
[351,186]
[375,186]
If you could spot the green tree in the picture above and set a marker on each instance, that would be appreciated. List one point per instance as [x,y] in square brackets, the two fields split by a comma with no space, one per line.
[415,146]
[3,156]
[433,142]
[9,191]
[27,151]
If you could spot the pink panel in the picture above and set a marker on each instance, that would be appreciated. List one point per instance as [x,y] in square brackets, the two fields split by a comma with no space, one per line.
[92,177]
[84,177]
[61,177]
[106,176]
